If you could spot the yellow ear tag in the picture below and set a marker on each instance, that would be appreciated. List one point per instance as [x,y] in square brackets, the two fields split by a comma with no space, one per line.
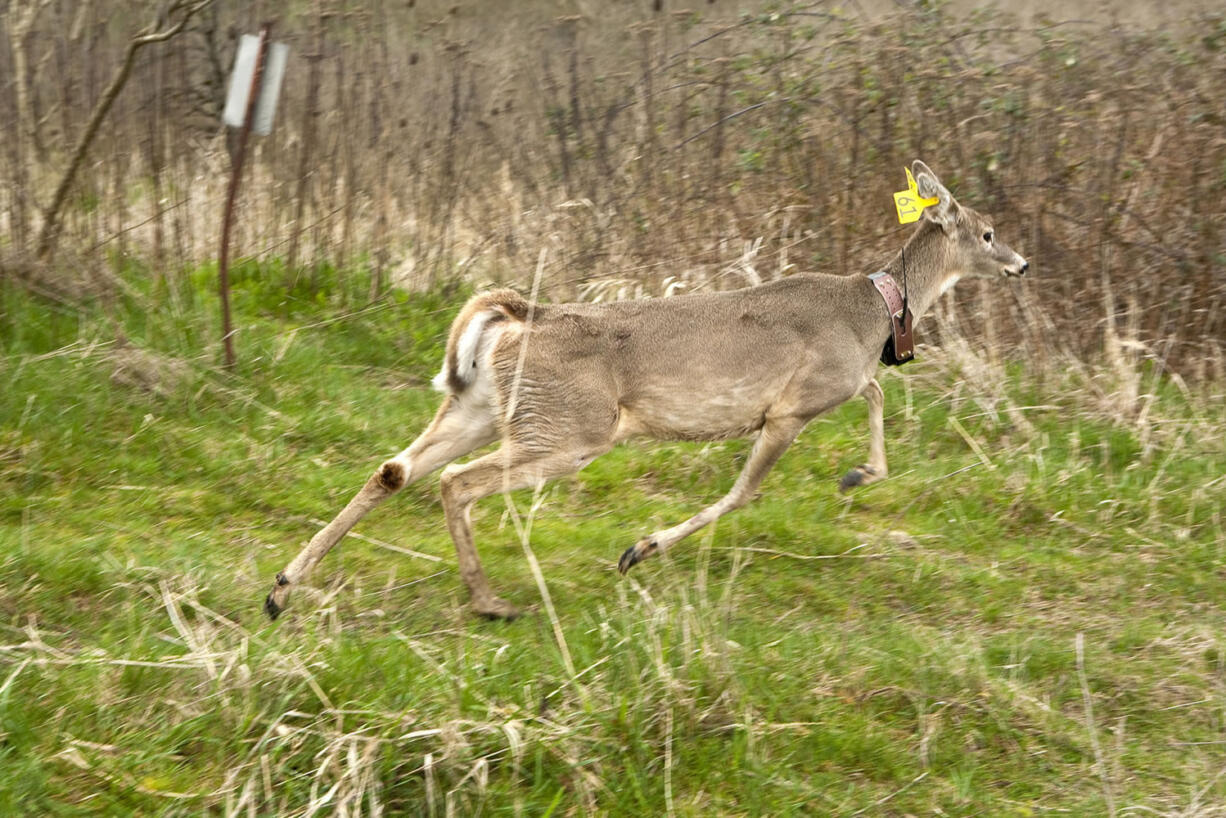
[908,202]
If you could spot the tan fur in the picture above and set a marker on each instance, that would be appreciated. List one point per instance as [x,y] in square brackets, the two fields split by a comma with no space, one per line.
[560,385]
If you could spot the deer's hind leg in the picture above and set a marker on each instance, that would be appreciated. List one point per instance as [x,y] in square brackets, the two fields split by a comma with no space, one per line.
[875,469]
[458,428]
[509,468]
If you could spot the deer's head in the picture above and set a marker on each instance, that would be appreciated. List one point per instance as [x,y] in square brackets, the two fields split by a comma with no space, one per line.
[973,247]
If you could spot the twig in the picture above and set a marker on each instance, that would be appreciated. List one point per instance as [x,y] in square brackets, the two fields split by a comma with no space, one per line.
[1079,643]
[523,338]
[932,485]
[157,213]
[722,120]
[51,216]
[883,799]
[970,441]
[524,528]
[408,552]
[670,809]
[845,555]
[426,578]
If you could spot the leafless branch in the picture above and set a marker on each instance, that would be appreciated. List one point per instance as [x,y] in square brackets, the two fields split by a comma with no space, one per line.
[156,32]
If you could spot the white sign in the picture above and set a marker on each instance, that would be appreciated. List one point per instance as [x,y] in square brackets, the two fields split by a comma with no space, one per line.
[270,88]
[240,84]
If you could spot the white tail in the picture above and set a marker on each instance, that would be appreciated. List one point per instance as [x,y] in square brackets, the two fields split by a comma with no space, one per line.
[565,387]
[467,349]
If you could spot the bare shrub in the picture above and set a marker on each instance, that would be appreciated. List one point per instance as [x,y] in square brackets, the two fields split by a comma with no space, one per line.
[649,149]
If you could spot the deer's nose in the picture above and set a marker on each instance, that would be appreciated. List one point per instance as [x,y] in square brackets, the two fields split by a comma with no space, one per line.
[1025,266]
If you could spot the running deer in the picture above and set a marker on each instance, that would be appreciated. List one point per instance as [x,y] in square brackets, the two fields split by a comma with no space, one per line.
[560,385]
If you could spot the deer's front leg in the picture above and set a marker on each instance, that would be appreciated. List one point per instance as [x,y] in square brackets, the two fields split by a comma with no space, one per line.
[772,442]
[875,469]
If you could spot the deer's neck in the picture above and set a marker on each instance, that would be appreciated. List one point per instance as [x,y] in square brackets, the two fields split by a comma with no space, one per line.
[927,270]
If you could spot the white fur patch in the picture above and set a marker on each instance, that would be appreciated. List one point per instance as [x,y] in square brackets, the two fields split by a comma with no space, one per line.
[468,350]
[949,283]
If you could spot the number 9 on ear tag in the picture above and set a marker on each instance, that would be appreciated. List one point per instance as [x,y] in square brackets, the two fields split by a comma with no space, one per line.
[909,203]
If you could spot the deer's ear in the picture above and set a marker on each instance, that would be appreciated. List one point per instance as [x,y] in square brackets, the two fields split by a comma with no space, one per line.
[944,212]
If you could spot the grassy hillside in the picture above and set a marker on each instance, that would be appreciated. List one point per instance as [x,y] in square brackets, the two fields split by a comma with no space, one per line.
[1026,618]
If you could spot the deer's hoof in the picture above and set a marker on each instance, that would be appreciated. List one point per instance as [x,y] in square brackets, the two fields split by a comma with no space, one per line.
[857,477]
[495,608]
[271,607]
[274,603]
[636,553]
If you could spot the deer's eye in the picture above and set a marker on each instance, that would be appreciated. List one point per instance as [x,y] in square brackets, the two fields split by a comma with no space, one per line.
[988,237]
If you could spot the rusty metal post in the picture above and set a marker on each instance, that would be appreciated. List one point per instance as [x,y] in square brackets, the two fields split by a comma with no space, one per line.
[240,153]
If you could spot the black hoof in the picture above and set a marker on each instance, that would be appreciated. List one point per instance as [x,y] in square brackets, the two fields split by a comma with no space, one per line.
[271,608]
[635,554]
[850,480]
[630,558]
[854,478]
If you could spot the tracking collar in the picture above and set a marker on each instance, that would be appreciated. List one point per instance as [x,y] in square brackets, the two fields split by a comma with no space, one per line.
[900,346]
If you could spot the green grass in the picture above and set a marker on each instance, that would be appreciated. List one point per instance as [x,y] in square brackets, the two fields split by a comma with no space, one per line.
[909,649]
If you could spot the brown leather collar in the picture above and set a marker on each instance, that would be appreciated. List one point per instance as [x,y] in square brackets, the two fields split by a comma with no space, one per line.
[900,347]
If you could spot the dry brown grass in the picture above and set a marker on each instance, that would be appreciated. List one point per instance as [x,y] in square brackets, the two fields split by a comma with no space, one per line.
[655,152]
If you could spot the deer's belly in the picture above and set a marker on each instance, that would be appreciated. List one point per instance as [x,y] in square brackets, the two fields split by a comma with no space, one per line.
[736,410]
